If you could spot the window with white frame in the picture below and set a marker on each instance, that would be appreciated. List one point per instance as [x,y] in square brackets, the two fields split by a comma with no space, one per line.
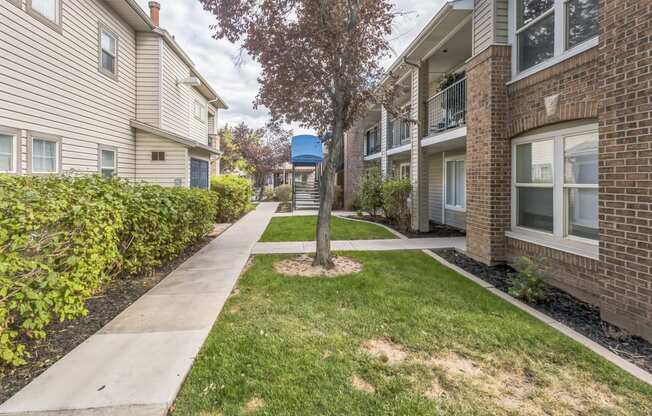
[455,182]
[555,183]
[404,171]
[44,154]
[108,52]
[8,151]
[199,110]
[108,159]
[549,28]
[48,11]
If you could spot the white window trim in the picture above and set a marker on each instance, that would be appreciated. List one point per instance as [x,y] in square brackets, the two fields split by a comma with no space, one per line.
[202,111]
[100,167]
[558,238]
[30,152]
[458,158]
[105,29]
[55,24]
[400,170]
[560,51]
[14,149]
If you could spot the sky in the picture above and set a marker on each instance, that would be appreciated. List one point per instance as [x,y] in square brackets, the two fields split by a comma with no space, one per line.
[236,83]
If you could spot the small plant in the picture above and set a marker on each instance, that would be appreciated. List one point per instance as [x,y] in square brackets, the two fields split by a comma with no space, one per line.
[371,192]
[395,202]
[283,193]
[529,283]
[268,194]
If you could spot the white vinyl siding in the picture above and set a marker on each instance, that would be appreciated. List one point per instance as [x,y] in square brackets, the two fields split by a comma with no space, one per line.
[177,100]
[436,207]
[49,83]
[489,24]
[173,171]
[148,79]
[199,128]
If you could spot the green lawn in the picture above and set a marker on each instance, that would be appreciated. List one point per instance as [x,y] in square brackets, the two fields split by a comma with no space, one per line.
[302,228]
[404,337]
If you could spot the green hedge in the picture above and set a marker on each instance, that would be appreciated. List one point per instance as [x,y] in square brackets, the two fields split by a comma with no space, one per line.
[62,237]
[234,196]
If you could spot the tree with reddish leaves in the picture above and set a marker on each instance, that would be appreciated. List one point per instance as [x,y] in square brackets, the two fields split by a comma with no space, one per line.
[320,63]
[262,150]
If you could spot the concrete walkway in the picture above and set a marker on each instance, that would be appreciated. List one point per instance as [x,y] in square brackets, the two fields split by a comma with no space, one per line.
[135,365]
[367,245]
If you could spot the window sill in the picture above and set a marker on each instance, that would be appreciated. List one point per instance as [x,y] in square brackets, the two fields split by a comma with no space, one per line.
[589,44]
[578,248]
[454,208]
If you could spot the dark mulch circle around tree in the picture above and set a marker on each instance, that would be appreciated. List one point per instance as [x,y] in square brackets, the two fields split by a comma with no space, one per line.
[572,312]
[436,230]
[63,337]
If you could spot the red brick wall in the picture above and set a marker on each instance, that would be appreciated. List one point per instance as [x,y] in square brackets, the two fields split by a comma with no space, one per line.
[353,164]
[611,84]
[577,275]
[575,81]
[488,151]
[625,119]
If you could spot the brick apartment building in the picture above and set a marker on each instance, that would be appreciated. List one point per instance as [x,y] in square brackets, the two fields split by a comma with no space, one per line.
[535,136]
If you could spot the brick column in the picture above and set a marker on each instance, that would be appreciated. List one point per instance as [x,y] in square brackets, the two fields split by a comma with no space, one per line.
[353,164]
[488,155]
[384,120]
[625,163]
[419,170]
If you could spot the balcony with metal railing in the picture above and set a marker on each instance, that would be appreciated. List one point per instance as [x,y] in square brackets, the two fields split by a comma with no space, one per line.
[447,109]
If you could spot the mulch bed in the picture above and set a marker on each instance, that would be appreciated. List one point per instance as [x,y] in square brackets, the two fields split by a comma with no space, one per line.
[436,230]
[284,207]
[63,337]
[572,312]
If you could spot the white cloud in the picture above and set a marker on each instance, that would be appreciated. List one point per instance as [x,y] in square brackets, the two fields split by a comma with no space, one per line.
[237,84]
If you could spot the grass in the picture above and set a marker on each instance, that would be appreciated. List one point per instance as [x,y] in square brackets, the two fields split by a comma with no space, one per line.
[303,228]
[436,344]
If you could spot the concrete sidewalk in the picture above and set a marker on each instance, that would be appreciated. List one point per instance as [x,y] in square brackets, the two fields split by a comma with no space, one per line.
[135,365]
[367,245]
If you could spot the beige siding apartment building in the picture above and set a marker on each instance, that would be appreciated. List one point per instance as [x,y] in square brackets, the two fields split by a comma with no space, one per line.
[95,86]
[534,135]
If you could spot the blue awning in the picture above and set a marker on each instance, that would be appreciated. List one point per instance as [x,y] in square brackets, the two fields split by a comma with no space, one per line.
[307,150]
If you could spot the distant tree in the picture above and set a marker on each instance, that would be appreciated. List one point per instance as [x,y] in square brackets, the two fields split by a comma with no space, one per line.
[259,151]
[231,160]
[320,63]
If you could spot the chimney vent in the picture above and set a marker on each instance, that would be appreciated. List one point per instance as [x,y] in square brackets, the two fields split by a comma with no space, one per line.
[154,12]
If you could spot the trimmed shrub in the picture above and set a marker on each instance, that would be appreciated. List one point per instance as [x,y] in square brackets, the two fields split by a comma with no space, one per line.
[283,193]
[395,202]
[159,223]
[234,196]
[62,237]
[370,192]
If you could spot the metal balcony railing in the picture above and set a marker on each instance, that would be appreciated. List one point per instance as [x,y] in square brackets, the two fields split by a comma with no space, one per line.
[398,133]
[447,109]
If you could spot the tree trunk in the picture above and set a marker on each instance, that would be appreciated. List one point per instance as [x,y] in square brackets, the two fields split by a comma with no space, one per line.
[326,193]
